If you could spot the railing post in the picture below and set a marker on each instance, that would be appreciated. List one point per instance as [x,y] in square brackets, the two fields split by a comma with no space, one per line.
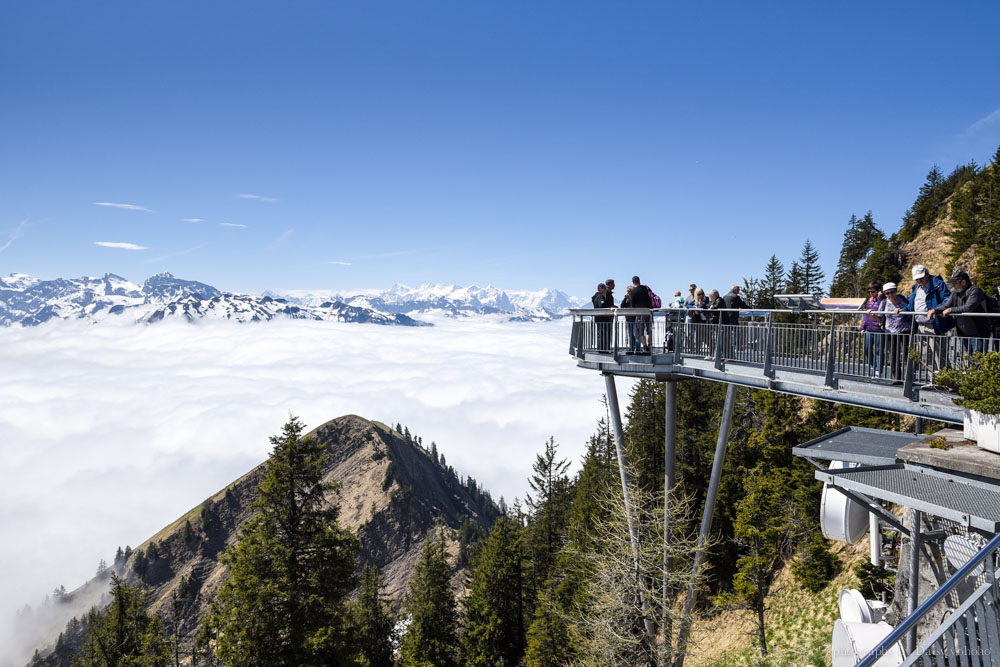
[910,367]
[914,598]
[831,351]
[718,344]
[614,328]
[769,346]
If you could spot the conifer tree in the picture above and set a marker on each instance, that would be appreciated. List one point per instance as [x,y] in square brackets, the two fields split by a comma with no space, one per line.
[988,234]
[549,512]
[812,273]
[772,283]
[859,241]
[291,569]
[759,530]
[374,622]
[794,282]
[431,638]
[124,633]
[494,621]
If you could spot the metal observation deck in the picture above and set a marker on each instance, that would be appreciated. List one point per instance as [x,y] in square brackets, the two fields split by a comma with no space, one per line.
[820,354]
[826,357]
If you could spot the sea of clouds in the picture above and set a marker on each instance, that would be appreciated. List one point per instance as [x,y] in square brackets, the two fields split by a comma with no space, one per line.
[110,432]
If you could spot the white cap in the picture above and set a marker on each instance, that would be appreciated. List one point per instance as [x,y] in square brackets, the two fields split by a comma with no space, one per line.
[919,271]
[888,286]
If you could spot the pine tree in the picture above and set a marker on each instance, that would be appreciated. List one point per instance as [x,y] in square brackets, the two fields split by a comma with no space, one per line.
[988,234]
[812,273]
[759,531]
[374,622]
[291,569]
[124,633]
[794,282]
[859,241]
[494,621]
[548,512]
[431,637]
[772,283]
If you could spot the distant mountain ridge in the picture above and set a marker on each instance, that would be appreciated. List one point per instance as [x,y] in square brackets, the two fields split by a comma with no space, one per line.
[30,301]
[452,301]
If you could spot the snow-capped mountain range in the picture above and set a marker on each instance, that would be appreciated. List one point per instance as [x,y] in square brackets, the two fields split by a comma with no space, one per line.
[450,301]
[30,301]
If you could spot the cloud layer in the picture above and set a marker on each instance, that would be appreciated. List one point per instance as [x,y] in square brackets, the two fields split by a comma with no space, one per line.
[127,207]
[117,244]
[108,433]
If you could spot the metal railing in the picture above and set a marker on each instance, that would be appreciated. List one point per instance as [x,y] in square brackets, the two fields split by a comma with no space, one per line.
[830,343]
[970,635]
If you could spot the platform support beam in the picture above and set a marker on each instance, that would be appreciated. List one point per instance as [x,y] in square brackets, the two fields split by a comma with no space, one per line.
[669,467]
[914,599]
[706,519]
[633,529]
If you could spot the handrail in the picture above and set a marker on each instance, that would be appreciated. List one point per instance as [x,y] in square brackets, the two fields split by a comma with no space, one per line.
[832,311]
[910,621]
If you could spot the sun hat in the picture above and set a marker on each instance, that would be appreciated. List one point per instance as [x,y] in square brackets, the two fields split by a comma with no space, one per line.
[919,271]
[888,286]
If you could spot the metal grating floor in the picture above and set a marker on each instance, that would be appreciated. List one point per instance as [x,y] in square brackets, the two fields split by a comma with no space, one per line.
[857,445]
[964,503]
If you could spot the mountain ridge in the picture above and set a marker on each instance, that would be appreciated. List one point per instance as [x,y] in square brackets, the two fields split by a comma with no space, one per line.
[30,301]
[393,494]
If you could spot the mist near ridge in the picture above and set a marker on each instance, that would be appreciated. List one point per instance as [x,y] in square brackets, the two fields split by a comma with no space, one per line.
[110,432]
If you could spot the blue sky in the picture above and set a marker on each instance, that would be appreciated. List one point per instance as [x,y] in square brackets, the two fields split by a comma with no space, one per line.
[519,144]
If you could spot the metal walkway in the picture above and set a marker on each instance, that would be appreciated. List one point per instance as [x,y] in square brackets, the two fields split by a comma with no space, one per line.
[827,358]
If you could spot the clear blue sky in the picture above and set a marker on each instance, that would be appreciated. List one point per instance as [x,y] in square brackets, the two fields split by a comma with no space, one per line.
[514,143]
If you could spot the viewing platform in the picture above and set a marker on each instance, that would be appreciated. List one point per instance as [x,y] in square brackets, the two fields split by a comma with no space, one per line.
[822,355]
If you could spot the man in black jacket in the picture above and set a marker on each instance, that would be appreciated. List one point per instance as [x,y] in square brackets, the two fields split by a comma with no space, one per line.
[638,297]
[733,300]
[603,299]
[965,298]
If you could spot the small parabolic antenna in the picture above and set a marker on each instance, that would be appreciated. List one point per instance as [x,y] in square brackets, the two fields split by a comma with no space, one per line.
[960,549]
[841,518]
[854,608]
[853,641]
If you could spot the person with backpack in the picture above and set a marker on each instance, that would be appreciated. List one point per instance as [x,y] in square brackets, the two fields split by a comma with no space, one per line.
[639,296]
[603,299]
[928,293]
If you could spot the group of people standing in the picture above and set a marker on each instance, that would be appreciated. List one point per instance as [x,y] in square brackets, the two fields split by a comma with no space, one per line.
[718,310]
[936,312]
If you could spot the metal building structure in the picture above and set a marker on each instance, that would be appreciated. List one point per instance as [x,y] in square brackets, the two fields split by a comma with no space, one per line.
[820,355]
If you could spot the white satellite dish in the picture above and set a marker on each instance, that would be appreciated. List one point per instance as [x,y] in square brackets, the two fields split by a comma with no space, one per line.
[959,550]
[841,518]
[853,641]
[853,607]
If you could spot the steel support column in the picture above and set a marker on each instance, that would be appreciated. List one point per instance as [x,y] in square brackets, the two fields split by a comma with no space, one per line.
[706,519]
[633,529]
[913,601]
[669,466]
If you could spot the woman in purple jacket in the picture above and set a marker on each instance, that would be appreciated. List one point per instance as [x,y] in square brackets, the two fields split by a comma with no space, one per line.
[871,325]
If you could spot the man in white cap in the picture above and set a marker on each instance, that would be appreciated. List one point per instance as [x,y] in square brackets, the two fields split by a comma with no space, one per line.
[929,292]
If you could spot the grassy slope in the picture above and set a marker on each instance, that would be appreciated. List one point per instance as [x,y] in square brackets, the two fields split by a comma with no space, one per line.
[799,624]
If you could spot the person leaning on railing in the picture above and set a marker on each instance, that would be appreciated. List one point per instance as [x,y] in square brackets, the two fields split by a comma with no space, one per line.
[897,328]
[967,298]
[928,293]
